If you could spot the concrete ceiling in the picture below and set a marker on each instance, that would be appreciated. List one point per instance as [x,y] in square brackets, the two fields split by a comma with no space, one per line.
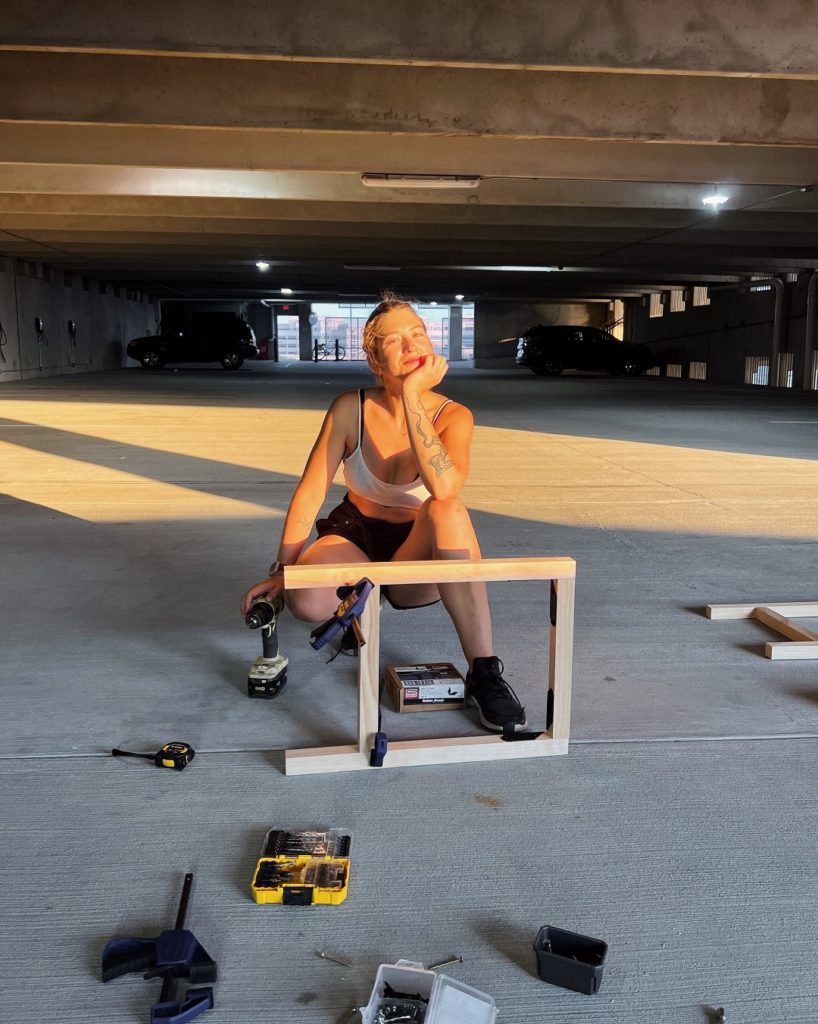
[172,146]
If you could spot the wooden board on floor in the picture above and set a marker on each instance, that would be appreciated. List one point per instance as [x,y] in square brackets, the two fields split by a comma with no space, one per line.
[801,643]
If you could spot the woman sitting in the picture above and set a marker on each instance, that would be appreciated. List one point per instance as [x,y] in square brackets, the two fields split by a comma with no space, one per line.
[405,452]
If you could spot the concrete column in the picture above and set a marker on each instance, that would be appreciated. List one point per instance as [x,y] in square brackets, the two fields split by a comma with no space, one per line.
[260,318]
[809,332]
[10,337]
[455,333]
[304,331]
[617,315]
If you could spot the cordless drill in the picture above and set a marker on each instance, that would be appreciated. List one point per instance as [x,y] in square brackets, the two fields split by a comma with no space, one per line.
[268,673]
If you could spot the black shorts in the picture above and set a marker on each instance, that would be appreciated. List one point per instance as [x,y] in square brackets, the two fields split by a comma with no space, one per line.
[377,538]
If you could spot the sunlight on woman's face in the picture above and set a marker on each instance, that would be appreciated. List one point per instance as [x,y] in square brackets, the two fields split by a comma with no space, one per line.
[402,340]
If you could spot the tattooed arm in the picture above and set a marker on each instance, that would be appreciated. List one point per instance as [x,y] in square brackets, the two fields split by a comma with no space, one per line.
[442,456]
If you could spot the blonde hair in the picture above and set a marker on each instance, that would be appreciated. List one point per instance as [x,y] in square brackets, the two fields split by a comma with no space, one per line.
[389,301]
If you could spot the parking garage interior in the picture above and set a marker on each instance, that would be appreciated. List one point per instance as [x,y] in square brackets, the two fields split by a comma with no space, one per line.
[644,169]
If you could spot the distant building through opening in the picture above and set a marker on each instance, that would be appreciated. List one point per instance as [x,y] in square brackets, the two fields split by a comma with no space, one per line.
[345,322]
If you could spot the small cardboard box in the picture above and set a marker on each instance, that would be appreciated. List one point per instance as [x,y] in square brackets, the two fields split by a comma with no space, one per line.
[437,686]
[447,1001]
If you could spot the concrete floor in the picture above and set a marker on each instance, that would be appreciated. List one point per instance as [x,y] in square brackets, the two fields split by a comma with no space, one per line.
[136,509]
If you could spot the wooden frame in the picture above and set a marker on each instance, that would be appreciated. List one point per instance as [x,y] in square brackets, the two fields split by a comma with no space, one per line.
[801,643]
[403,753]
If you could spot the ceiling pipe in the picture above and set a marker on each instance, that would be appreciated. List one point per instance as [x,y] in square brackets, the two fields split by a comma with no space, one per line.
[809,333]
[778,317]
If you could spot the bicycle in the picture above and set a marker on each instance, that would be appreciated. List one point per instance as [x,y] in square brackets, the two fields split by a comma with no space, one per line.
[322,350]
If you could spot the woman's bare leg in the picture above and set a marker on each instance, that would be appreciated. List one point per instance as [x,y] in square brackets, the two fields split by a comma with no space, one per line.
[443,529]
[318,604]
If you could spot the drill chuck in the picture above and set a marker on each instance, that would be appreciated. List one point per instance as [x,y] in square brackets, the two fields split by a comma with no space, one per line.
[261,614]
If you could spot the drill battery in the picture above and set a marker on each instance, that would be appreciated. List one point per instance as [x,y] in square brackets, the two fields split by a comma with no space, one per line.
[303,868]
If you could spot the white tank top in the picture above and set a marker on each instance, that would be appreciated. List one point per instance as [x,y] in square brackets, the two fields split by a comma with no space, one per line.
[359,478]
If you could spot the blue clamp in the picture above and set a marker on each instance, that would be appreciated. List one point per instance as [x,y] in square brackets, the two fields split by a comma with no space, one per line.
[379,748]
[196,1001]
[173,955]
[346,614]
[176,952]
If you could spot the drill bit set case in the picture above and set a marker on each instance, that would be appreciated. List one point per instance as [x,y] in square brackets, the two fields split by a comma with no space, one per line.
[303,868]
[405,991]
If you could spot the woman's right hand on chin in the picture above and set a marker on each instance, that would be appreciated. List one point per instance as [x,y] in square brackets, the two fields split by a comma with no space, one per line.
[269,588]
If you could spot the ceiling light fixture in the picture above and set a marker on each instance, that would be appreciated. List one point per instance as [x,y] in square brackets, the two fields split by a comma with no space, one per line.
[715,201]
[371,266]
[420,180]
[459,297]
[433,303]
[262,265]
[512,267]
[286,291]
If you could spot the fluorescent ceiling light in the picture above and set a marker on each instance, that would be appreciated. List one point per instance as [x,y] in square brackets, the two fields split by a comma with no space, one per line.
[420,180]
[459,297]
[286,291]
[262,265]
[715,201]
[433,303]
[370,266]
[514,268]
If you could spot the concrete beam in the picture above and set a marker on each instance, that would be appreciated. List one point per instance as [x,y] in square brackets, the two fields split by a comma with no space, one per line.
[247,149]
[113,89]
[712,36]
[197,216]
[596,232]
[413,249]
[124,191]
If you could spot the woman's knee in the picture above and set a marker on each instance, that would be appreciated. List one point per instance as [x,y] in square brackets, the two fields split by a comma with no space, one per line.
[311,605]
[451,528]
[445,510]
[447,515]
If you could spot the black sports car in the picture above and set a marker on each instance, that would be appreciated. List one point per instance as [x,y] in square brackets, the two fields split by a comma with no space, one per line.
[551,348]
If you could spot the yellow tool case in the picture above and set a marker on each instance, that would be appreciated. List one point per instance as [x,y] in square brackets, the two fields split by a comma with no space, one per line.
[303,868]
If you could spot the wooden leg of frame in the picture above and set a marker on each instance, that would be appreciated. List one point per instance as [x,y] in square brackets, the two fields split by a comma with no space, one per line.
[351,757]
[561,655]
[368,673]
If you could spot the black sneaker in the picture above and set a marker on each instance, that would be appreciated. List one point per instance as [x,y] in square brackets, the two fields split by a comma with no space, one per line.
[496,702]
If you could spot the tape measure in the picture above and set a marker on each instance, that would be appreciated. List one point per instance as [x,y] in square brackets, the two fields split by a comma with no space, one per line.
[175,754]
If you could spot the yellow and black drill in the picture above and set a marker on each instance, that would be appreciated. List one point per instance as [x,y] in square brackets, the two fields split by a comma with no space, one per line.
[268,673]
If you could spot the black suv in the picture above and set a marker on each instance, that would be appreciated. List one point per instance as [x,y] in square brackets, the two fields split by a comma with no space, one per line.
[207,338]
[551,348]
